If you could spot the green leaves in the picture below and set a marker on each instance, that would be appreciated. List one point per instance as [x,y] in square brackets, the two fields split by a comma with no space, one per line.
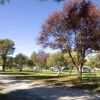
[6,47]
[20,59]
[94,61]
[57,59]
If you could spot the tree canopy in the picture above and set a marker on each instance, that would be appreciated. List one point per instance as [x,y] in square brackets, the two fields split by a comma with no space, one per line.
[56,59]
[41,58]
[94,60]
[20,60]
[6,48]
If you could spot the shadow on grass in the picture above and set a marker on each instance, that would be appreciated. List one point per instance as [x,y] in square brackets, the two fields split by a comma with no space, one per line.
[14,73]
[90,87]
[86,84]
[39,77]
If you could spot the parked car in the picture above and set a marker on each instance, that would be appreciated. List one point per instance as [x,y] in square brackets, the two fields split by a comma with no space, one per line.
[37,68]
[86,69]
[59,69]
[56,69]
[65,69]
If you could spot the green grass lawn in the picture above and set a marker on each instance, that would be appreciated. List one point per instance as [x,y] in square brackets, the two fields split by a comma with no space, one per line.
[90,81]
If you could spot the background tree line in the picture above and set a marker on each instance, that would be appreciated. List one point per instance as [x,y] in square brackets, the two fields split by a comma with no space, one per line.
[40,58]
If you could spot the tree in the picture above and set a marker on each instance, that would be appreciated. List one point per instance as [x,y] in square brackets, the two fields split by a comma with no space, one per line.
[0,60]
[41,59]
[6,48]
[94,61]
[56,59]
[9,62]
[30,63]
[75,28]
[33,58]
[20,60]
[98,60]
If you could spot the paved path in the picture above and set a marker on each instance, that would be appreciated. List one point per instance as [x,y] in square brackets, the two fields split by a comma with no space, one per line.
[13,88]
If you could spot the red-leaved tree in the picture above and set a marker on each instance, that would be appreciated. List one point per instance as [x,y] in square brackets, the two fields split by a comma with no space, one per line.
[75,28]
[41,59]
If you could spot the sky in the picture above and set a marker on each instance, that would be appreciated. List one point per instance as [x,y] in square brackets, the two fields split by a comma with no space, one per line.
[21,21]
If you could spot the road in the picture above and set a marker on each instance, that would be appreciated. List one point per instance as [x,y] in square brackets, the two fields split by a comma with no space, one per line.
[20,89]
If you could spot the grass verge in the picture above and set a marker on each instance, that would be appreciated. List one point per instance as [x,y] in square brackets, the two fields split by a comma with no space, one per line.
[89,82]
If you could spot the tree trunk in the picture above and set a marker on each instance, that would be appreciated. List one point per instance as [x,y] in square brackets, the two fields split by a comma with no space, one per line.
[71,70]
[3,67]
[4,64]
[94,75]
[73,60]
[20,69]
[80,72]
[58,73]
